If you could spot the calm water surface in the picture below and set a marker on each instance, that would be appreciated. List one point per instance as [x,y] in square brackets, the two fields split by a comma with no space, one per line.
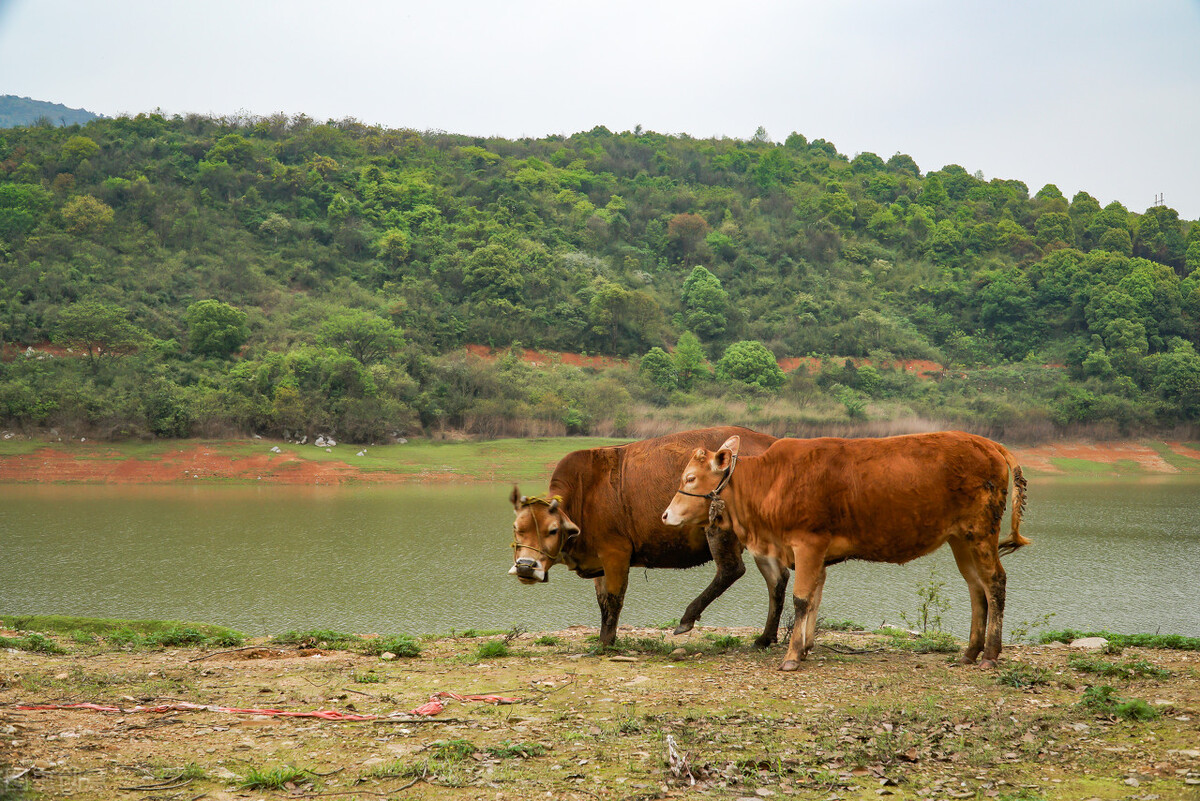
[1123,557]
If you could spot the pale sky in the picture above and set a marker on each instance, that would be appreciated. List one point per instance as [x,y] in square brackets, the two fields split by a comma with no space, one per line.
[1098,95]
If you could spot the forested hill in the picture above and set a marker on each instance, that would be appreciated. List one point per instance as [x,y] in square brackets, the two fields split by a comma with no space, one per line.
[16,111]
[281,276]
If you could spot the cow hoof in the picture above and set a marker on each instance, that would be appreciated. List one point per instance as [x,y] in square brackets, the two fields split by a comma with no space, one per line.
[966,660]
[763,641]
[790,664]
[987,664]
[683,628]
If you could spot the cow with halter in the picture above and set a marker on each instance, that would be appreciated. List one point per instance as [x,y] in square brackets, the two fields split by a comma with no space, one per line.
[601,516]
[816,502]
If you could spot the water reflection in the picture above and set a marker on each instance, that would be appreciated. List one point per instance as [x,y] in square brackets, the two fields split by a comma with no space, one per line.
[1122,557]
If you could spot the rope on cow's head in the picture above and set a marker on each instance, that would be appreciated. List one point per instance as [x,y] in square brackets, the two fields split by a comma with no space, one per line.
[552,503]
[716,506]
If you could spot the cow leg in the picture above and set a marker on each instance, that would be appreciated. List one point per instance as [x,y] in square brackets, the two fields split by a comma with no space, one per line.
[727,553]
[964,556]
[996,588]
[806,595]
[776,576]
[610,593]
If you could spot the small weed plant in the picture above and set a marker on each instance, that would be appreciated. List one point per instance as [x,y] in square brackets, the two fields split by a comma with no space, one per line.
[401,645]
[931,604]
[511,750]
[274,778]
[1103,701]
[548,640]
[37,643]
[1021,676]
[492,649]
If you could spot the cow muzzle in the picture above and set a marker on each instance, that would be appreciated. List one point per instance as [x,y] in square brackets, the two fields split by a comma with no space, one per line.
[528,571]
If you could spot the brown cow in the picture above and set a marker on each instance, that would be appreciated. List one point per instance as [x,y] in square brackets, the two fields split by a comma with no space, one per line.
[601,516]
[815,502]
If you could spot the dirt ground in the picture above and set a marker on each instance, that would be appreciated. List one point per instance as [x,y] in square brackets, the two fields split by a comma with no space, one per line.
[94,463]
[861,719]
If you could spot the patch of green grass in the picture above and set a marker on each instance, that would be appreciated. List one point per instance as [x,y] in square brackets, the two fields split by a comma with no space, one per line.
[1102,700]
[839,625]
[78,627]
[492,649]
[367,678]
[173,636]
[274,778]
[1175,642]
[1021,675]
[33,641]
[401,645]
[720,643]
[1184,464]
[1083,467]
[1129,669]
[646,645]
[548,640]
[319,638]
[511,750]
[472,634]
[928,643]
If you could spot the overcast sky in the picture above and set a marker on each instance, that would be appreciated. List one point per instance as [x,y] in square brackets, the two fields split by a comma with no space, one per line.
[1098,95]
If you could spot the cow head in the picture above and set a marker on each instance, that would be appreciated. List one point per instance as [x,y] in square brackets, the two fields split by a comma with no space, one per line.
[704,476]
[542,533]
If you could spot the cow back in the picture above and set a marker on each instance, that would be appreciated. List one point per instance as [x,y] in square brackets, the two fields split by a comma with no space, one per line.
[620,492]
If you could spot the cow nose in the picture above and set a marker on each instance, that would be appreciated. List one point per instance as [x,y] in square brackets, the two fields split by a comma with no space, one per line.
[526,562]
[664,517]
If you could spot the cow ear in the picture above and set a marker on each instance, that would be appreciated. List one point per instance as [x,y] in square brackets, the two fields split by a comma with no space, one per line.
[515,497]
[728,452]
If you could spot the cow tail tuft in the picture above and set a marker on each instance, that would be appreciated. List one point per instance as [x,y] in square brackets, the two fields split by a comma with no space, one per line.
[1015,540]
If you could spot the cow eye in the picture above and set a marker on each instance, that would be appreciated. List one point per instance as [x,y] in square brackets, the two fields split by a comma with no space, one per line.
[691,479]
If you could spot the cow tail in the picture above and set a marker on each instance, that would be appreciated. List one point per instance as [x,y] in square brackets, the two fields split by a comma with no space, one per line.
[1015,540]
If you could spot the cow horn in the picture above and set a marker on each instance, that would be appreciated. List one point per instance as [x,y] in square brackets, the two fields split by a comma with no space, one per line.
[554,505]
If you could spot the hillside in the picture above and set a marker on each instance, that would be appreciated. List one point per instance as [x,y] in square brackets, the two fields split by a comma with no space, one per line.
[15,111]
[205,276]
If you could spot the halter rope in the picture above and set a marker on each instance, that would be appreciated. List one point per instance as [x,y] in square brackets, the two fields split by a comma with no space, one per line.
[530,501]
[715,504]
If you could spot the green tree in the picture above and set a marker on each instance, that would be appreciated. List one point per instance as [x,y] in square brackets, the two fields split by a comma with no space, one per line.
[393,246]
[84,214]
[77,148]
[705,303]
[689,360]
[100,329]
[365,336]
[750,362]
[656,366]
[215,328]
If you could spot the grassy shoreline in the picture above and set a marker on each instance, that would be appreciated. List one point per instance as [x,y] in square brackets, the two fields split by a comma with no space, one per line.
[503,460]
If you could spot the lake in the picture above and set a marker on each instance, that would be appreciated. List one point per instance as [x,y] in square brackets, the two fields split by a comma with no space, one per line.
[1124,557]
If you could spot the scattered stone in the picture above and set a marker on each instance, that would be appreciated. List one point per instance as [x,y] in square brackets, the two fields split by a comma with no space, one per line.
[1089,642]
[679,654]
[329,450]
[622,659]
[361,453]
[387,656]
[275,449]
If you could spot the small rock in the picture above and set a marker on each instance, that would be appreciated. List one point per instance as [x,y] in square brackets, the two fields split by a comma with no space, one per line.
[62,676]
[1089,642]
[387,656]
[763,792]
[275,449]
[679,654]
[1132,781]
[622,659]
[329,450]
[361,453]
